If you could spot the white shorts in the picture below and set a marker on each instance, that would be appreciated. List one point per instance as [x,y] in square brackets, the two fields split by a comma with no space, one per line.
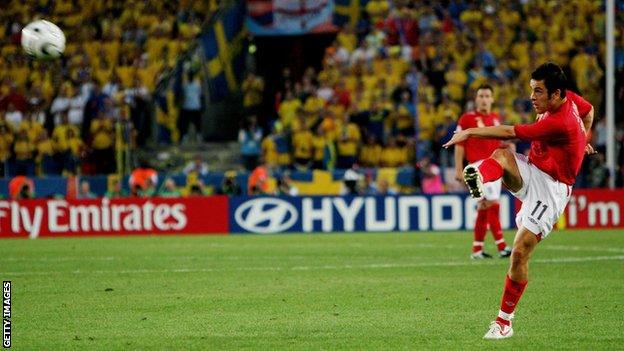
[543,198]
[491,190]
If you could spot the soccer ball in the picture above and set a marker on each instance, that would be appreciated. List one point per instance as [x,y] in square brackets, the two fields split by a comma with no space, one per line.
[43,39]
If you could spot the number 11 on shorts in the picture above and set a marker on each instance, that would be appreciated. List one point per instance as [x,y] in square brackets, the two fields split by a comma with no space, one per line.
[537,206]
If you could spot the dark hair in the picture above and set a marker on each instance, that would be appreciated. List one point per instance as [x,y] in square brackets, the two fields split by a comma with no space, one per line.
[553,78]
[196,189]
[24,192]
[486,86]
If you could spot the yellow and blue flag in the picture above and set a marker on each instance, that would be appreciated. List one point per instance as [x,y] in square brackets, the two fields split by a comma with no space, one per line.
[348,11]
[224,47]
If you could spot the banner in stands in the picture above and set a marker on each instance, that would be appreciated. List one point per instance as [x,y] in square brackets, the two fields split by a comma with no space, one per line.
[286,17]
[594,208]
[51,218]
[266,215]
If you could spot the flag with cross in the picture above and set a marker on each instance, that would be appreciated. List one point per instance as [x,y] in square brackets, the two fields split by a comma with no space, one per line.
[224,48]
[348,11]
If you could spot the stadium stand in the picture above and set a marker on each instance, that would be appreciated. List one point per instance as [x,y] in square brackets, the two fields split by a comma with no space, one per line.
[407,70]
[386,94]
[102,87]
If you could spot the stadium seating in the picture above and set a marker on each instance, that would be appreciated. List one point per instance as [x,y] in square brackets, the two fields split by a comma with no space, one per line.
[438,55]
[133,42]
[434,53]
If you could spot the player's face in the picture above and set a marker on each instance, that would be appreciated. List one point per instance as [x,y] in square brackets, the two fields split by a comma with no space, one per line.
[539,96]
[484,100]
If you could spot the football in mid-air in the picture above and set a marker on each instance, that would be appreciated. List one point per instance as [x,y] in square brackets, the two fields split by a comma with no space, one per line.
[43,40]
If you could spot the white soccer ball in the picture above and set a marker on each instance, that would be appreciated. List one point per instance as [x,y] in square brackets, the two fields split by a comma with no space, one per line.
[43,39]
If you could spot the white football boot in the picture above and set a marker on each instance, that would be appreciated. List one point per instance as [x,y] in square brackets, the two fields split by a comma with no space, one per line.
[498,331]
[480,255]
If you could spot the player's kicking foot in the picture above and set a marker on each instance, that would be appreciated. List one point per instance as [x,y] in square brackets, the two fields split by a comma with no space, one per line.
[473,181]
[480,255]
[506,252]
[498,331]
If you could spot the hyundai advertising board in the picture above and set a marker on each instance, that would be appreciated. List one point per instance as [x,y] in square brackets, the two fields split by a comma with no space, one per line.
[267,215]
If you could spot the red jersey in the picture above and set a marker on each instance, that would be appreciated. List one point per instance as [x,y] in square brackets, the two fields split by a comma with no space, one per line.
[478,149]
[558,139]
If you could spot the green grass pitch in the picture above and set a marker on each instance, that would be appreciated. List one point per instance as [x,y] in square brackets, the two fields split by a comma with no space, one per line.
[309,292]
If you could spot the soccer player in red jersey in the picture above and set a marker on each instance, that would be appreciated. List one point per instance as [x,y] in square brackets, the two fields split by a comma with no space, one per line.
[475,151]
[543,181]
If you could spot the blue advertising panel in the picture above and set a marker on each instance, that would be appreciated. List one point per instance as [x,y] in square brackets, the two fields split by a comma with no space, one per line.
[446,212]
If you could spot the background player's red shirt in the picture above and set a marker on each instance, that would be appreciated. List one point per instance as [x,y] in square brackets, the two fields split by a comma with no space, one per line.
[478,149]
[558,139]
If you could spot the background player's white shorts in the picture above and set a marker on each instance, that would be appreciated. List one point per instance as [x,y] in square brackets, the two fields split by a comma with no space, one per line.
[543,198]
[491,190]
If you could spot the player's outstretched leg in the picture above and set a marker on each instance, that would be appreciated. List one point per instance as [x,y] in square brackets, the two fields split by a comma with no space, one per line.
[515,283]
[502,164]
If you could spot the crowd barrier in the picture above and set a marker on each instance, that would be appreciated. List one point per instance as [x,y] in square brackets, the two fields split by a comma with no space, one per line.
[308,181]
[270,214]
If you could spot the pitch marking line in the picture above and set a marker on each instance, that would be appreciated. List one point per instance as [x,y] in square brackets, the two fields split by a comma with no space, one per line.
[325,267]
[292,257]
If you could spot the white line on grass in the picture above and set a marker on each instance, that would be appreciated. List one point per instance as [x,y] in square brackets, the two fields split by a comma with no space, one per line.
[324,267]
[289,257]
[582,248]
[58,259]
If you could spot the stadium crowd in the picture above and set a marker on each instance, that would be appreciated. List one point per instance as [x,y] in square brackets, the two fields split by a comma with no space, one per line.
[392,86]
[388,93]
[72,115]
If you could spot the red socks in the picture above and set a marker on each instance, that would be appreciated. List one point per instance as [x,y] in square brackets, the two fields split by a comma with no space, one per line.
[480,230]
[484,217]
[511,296]
[490,170]
[494,221]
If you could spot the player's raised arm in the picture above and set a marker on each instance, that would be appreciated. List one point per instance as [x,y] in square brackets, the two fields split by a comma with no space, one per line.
[496,132]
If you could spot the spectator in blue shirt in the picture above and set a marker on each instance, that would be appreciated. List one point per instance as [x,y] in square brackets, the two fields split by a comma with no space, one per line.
[191,106]
[250,137]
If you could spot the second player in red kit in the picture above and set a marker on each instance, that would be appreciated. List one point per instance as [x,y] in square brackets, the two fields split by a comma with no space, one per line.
[475,151]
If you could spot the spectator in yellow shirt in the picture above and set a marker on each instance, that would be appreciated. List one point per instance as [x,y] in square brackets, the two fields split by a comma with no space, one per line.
[253,88]
[303,147]
[24,155]
[320,145]
[269,150]
[405,115]
[60,134]
[300,122]
[45,154]
[329,125]
[393,155]
[76,149]
[32,127]
[348,141]
[288,109]
[6,140]
[103,144]
[370,156]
